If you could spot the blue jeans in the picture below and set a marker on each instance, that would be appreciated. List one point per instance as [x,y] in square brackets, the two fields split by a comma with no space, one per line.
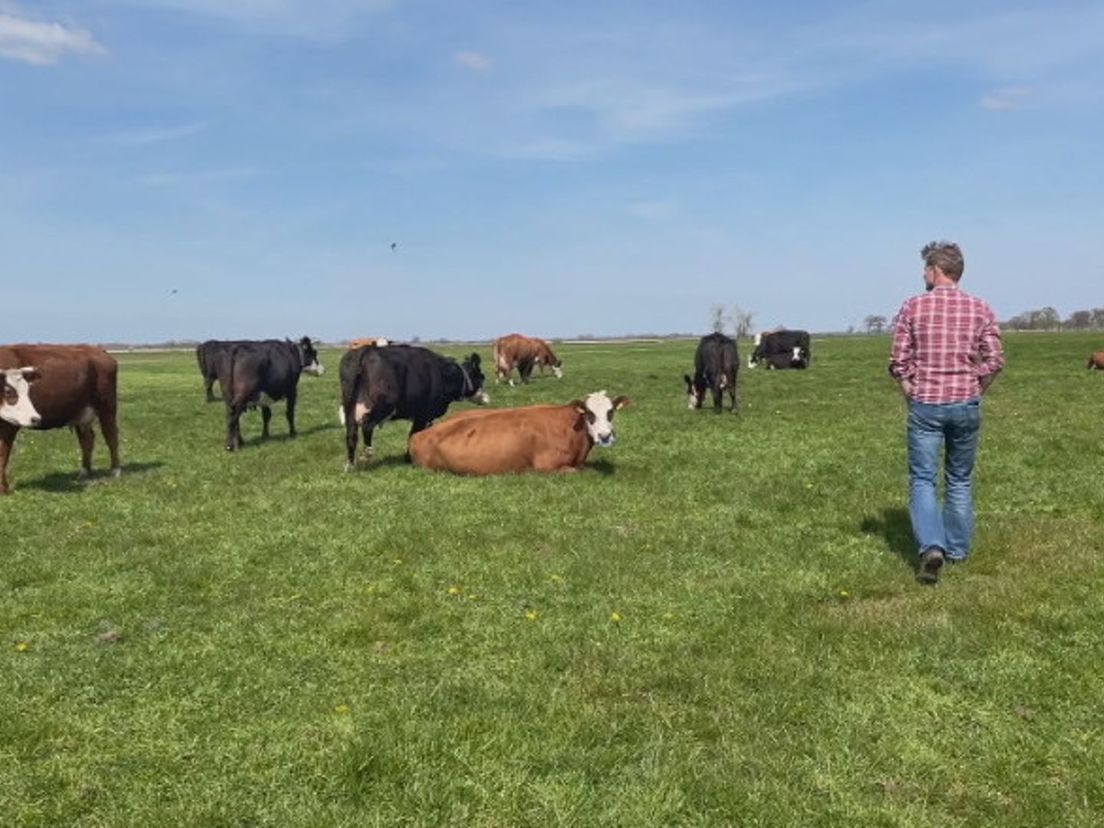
[956,427]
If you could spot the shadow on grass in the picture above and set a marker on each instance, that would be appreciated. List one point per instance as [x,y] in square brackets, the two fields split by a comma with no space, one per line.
[71,483]
[894,526]
[602,466]
[283,436]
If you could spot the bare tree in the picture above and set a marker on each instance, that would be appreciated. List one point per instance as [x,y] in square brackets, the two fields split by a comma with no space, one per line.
[744,321]
[874,324]
[717,318]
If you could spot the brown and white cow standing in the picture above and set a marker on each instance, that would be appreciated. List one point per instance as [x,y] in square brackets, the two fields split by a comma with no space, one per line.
[52,386]
[1096,360]
[541,438]
[524,353]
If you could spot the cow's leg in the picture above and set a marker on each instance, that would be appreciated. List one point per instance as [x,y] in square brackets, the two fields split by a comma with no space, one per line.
[718,398]
[7,437]
[87,439]
[290,412]
[734,392]
[526,370]
[209,383]
[350,438]
[266,418]
[233,425]
[109,427]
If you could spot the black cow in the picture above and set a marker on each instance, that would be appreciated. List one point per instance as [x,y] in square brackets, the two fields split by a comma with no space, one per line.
[781,349]
[401,382]
[716,363]
[260,373]
[209,355]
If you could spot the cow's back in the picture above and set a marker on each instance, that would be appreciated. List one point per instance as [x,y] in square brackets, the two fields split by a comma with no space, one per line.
[500,441]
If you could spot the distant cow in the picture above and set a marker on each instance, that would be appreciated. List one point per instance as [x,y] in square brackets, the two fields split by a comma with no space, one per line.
[1096,361]
[260,373]
[524,353]
[716,363]
[368,341]
[541,438]
[52,386]
[781,349]
[401,382]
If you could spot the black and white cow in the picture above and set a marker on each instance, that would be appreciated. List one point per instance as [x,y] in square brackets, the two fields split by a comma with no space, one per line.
[401,382]
[716,363]
[781,349]
[260,373]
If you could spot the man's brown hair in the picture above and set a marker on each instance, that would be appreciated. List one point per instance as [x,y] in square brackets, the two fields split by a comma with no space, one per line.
[945,255]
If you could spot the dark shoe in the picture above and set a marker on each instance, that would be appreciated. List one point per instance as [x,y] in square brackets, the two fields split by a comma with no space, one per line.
[930,564]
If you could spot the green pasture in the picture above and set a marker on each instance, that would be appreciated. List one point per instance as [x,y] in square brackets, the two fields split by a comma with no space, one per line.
[716,623]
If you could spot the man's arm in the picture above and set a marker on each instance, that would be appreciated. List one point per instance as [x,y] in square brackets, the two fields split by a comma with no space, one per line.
[990,352]
[902,359]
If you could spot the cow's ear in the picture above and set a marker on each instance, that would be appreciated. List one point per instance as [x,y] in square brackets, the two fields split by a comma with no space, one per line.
[579,406]
[30,374]
[621,402]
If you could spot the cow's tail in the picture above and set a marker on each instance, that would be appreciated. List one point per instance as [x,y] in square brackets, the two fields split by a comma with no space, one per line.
[494,354]
[226,372]
[202,362]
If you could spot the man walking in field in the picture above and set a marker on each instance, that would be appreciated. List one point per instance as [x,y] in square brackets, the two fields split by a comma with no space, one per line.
[946,352]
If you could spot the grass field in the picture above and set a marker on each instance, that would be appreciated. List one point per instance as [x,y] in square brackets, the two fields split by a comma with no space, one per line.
[716,623]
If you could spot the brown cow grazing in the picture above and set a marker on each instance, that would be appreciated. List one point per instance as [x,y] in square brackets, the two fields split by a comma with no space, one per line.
[541,438]
[1097,361]
[524,353]
[51,386]
[368,341]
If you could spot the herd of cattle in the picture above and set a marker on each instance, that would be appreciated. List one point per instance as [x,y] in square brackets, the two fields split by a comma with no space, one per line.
[52,386]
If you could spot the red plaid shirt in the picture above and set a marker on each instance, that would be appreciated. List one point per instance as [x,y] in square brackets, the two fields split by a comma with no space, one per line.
[944,342]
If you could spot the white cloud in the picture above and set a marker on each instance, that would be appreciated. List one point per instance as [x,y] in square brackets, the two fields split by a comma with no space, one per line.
[1011,97]
[474,61]
[144,137]
[171,178]
[42,44]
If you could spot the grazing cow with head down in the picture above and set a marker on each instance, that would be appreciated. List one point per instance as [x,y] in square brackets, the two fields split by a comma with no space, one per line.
[716,363]
[401,382]
[524,353]
[781,349]
[52,386]
[1096,361]
[257,374]
[540,438]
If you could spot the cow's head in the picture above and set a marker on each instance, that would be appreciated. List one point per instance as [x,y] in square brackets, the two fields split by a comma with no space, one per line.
[15,397]
[598,410]
[309,357]
[696,389]
[474,379]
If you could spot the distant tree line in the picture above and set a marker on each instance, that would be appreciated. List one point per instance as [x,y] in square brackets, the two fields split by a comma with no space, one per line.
[1047,319]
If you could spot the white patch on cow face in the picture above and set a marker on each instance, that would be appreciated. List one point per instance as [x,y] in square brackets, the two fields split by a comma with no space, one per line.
[557,371]
[381,342]
[315,369]
[758,339]
[482,398]
[599,418]
[15,405]
[796,354]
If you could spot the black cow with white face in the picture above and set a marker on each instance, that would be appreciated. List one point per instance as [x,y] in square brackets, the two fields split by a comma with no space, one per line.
[257,374]
[781,349]
[402,382]
[716,363]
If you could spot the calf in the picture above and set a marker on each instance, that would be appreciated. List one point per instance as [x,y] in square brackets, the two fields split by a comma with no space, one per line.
[524,353]
[260,373]
[540,438]
[52,386]
[716,363]
[401,382]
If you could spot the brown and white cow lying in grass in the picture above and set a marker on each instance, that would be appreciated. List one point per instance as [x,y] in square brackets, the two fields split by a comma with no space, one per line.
[541,438]
[1096,361]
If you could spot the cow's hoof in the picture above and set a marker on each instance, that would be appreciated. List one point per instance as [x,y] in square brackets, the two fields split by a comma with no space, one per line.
[83,474]
[116,472]
[350,467]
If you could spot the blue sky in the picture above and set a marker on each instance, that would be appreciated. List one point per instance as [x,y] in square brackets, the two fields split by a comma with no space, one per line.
[550,167]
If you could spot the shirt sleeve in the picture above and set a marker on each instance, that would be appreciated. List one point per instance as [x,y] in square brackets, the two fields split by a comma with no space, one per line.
[990,347]
[902,359]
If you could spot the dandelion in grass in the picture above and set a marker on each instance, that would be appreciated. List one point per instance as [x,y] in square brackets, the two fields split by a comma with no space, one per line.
[555,578]
[844,593]
[454,590]
[473,597]
[341,709]
[531,615]
[667,616]
[22,646]
[615,617]
[398,561]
